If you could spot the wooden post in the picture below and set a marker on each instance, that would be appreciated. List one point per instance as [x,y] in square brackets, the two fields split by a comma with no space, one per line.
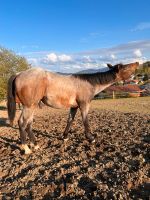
[114,95]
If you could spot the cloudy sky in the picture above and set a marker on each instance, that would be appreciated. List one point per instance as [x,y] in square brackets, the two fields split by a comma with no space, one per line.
[74,35]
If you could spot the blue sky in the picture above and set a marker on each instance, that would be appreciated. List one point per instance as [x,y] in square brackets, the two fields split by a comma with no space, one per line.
[72,35]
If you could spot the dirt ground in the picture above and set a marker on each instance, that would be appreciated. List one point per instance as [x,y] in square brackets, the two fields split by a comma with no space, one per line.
[116,166]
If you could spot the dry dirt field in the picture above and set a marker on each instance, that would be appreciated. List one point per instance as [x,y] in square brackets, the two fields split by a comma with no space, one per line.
[116,166]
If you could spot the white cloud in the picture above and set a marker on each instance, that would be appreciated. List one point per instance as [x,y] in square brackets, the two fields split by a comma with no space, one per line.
[64,58]
[87,59]
[52,57]
[131,60]
[137,53]
[124,53]
[142,26]
[119,49]
[33,61]
[113,56]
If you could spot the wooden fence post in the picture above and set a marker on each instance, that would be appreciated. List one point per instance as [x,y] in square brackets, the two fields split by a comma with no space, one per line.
[114,95]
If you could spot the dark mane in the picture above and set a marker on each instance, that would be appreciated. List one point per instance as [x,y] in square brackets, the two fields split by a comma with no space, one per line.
[99,77]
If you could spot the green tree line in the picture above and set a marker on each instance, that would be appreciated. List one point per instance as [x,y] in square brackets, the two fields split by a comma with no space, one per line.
[10,63]
[144,69]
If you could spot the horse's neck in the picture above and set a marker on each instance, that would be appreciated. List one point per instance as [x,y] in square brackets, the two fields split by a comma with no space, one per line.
[99,88]
[105,80]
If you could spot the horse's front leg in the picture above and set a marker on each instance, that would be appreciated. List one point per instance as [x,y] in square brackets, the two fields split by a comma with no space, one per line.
[71,117]
[84,107]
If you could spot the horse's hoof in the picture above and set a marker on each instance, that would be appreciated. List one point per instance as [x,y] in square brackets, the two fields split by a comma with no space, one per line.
[36,147]
[27,152]
[65,139]
[11,124]
[26,149]
[93,141]
[32,145]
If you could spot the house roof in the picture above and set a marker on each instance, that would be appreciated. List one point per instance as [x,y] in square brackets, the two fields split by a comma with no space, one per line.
[124,88]
[131,81]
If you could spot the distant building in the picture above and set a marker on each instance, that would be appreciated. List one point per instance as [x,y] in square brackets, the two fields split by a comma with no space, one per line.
[124,88]
[128,90]
[131,82]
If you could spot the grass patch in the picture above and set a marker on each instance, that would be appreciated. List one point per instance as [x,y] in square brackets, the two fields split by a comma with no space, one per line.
[140,105]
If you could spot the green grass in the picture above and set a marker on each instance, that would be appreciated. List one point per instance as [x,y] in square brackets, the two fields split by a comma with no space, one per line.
[136,105]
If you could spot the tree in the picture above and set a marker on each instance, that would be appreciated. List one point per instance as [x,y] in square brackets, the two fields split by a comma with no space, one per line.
[10,63]
[143,71]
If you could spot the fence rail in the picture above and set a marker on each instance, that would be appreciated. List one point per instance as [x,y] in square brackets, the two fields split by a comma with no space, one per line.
[3,99]
[117,95]
[114,95]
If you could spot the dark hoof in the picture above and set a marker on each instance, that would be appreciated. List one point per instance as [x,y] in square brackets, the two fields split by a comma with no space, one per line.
[64,138]
[91,139]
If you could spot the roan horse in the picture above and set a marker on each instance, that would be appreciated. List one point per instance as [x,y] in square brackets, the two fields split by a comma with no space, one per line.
[58,91]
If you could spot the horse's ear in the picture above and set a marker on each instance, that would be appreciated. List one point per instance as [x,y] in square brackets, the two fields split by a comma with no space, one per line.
[109,65]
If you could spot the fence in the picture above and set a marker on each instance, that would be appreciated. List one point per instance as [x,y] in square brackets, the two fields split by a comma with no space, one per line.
[117,95]
[114,95]
[3,99]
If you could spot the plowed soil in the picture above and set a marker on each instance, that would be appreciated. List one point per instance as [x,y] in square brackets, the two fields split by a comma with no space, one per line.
[116,166]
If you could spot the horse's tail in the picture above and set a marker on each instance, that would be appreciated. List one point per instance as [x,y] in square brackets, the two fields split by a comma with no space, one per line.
[11,103]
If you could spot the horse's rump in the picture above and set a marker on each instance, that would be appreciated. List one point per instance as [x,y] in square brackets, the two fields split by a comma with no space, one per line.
[30,86]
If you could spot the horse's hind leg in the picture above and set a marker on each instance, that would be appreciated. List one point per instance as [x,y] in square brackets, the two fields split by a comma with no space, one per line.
[23,122]
[71,117]
[84,107]
[31,134]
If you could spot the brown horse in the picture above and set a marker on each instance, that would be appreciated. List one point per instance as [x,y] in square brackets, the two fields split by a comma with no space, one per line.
[58,91]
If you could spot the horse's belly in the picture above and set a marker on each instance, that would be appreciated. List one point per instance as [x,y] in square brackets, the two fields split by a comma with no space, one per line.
[66,102]
[61,102]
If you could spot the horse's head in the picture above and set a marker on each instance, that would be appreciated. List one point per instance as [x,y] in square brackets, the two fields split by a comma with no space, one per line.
[124,72]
